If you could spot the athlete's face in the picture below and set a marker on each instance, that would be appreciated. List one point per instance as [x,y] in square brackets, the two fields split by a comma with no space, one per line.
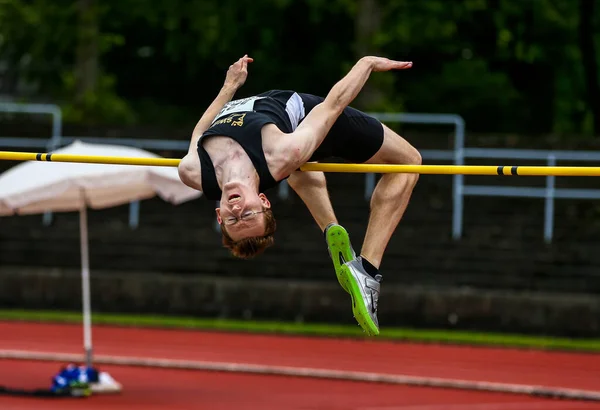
[241,211]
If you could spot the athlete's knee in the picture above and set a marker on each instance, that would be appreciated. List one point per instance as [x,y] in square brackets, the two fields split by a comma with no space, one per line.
[398,150]
[404,154]
[414,156]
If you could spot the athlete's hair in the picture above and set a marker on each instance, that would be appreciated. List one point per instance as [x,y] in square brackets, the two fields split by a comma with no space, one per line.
[248,248]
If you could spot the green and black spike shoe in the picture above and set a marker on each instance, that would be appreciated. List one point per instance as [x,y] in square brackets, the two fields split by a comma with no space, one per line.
[362,287]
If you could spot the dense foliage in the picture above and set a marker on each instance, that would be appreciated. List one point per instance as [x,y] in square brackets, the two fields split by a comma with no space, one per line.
[505,65]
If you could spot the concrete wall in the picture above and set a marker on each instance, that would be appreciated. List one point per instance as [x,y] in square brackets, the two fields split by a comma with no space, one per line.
[293,300]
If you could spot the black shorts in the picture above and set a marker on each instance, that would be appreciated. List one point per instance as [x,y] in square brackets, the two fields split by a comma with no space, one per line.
[355,136]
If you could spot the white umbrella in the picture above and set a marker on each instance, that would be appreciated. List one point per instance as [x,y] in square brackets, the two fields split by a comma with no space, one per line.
[37,187]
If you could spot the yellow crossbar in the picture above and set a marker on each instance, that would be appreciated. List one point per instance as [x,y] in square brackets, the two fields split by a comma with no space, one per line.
[88,159]
[507,170]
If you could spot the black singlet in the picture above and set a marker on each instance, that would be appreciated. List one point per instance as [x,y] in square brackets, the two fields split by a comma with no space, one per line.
[354,137]
[242,120]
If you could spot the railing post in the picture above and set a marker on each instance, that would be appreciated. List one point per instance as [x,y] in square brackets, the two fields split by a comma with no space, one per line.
[369,186]
[134,214]
[216,225]
[458,181]
[549,202]
[283,190]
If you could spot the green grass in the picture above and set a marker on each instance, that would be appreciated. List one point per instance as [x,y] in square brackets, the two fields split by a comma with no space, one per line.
[307,329]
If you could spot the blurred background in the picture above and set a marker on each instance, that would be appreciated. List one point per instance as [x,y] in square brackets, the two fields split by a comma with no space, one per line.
[505,82]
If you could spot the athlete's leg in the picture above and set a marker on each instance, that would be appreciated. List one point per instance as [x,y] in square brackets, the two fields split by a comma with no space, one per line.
[359,276]
[358,138]
[311,187]
[391,195]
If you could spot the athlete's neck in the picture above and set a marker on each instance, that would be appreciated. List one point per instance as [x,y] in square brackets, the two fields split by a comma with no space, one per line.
[237,171]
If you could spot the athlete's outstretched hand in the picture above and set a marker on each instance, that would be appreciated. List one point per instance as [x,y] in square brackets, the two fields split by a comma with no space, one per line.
[238,72]
[385,64]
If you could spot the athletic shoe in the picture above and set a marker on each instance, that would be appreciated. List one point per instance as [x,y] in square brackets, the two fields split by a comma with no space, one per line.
[362,287]
[339,248]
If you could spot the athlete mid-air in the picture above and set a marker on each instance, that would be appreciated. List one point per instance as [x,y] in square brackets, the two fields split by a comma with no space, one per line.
[239,149]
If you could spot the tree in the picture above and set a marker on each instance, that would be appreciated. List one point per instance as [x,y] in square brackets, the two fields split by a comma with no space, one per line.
[589,59]
[504,65]
[87,53]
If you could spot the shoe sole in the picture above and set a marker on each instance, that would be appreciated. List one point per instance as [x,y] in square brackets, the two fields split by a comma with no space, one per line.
[338,242]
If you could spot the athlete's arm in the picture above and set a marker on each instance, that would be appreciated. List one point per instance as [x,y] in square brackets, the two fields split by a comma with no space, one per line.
[189,167]
[236,77]
[310,133]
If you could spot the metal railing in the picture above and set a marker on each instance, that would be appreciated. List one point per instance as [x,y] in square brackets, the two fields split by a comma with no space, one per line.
[50,145]
[549,193]
[44,109]
[458,155]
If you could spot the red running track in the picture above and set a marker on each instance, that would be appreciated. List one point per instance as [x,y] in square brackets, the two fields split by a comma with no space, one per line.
[179,389]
